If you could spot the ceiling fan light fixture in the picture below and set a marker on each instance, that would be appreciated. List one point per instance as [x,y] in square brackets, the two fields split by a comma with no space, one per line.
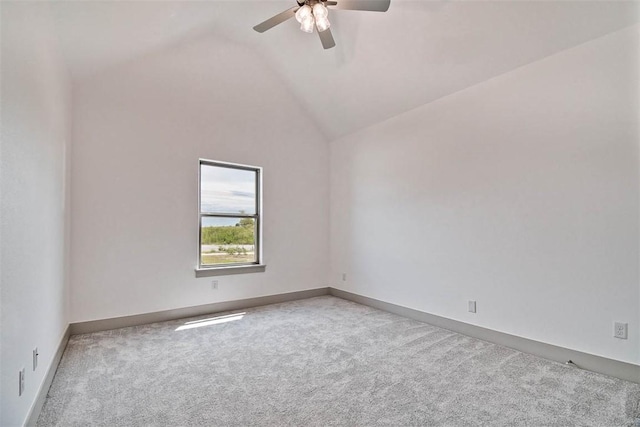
[314,13]
[307,24]
[320,10]
[303,13]
[323,24]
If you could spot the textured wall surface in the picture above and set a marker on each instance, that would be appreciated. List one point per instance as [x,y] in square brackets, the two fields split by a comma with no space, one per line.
[33,210]
[139,130]
[520,193]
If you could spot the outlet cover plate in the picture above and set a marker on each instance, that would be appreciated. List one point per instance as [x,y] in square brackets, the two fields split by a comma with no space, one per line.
[620,330]
[472,306]
[20,382]
[35,358]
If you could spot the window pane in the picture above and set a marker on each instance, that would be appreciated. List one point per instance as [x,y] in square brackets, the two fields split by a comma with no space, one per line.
[227,190]
[227,241]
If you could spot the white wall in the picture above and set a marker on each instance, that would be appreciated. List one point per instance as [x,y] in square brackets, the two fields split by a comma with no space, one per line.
[34,135]
[139,130]
[521,193]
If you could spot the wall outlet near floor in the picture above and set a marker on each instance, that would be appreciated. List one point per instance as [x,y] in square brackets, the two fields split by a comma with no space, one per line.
[214,285]
[472,306]
[35,358]
[21,382]
[620,330]
[344,277]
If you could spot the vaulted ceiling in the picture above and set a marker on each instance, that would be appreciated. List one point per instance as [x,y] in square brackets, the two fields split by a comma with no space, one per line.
[384,63]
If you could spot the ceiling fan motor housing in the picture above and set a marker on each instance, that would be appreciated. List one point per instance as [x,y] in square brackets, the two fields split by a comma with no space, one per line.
[309,2]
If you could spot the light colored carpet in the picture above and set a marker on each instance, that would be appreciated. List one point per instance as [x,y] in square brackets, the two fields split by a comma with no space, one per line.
[321,361]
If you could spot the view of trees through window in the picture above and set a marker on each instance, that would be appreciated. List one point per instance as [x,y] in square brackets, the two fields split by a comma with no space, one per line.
[229,214]
[228,244]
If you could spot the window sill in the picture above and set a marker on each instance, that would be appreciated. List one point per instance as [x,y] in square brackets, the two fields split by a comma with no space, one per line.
[236,269]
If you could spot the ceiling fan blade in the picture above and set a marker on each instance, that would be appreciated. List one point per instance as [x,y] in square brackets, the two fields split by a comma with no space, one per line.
[326,38]
[370,5]
[275,20]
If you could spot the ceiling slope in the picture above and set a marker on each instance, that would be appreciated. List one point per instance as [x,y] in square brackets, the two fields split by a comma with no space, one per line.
[384,63]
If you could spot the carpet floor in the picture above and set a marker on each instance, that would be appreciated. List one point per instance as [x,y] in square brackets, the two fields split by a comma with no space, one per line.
[317,362]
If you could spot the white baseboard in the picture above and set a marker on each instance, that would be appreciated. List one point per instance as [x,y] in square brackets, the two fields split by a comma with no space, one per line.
[181,313]
[41,395]
[603,365]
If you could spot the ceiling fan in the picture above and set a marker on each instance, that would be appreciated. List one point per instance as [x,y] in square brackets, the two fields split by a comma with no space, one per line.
[314,13]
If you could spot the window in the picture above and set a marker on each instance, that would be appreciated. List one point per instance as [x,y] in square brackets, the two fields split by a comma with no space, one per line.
[230,218]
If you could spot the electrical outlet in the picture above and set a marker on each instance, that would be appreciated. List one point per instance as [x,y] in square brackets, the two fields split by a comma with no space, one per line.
[21,382]
[35,358]
[214,285]
[620,330]
[472,306]
[344,277]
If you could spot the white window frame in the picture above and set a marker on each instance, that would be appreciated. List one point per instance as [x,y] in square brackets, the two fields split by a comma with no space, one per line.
[203,270]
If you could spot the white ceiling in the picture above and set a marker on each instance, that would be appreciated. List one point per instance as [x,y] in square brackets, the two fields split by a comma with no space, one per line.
[384,63]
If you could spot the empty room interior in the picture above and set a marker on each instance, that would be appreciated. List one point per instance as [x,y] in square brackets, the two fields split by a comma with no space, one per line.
[349,212]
